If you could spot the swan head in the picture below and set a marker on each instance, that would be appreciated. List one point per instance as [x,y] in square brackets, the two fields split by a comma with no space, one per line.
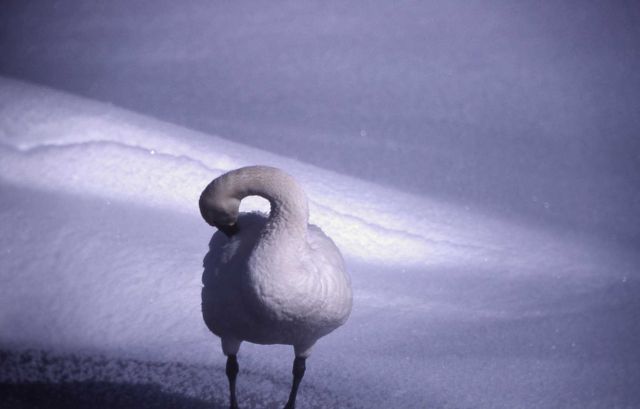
[220,213]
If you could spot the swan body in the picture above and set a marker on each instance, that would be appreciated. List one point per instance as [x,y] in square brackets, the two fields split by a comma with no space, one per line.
[272,279]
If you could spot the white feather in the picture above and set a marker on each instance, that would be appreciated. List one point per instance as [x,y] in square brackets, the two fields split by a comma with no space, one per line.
[278,280]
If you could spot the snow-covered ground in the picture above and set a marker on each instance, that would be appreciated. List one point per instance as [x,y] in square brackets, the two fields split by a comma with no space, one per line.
[526,109]
[102,248]
[476,162]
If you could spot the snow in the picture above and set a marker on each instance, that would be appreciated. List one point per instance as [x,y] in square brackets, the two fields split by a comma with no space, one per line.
[102,248]
[476,162]
[528,110]
[163,170]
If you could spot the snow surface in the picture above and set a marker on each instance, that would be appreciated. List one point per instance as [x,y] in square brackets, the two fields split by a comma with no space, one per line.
[527,109]
[102,248]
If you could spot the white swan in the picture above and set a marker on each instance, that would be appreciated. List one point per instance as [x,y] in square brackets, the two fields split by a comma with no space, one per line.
[269,280]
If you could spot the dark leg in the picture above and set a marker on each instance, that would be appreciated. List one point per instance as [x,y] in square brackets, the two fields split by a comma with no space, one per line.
[298,373]
[232,373]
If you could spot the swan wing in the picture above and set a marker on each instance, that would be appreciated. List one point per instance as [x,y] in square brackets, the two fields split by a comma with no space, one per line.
[333,284]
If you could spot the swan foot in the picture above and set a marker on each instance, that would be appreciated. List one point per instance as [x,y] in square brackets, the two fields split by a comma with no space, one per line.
[232,370]
[298,372]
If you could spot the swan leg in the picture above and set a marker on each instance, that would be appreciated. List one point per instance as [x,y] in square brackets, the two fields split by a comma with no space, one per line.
[298,372]
[230,347]
[232,372]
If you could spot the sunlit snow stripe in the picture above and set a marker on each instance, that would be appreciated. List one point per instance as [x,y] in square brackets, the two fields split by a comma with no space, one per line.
[53,140]
[136,175]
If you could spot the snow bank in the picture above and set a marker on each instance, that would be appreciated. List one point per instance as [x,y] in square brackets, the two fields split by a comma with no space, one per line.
[68,144]
[51,140]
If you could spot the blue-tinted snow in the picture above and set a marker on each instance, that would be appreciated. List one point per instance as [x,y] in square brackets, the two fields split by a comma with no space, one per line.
[496,268]
[102,249]
[526,109]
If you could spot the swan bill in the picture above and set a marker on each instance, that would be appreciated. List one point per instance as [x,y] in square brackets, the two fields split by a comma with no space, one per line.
[229,230]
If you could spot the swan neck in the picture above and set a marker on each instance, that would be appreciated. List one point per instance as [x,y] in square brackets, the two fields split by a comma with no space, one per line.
[289,206]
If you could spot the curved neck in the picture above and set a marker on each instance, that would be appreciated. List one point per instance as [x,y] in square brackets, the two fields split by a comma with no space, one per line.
[289,207]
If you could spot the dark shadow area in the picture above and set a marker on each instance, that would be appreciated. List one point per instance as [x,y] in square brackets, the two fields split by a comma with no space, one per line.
[212,259]
[39,379]
[95,395]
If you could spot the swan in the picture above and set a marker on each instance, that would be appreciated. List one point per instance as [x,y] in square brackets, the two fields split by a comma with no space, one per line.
[272,279]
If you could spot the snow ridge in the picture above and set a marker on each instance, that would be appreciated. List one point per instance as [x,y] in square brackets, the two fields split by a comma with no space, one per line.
[55,141]
[120,156]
